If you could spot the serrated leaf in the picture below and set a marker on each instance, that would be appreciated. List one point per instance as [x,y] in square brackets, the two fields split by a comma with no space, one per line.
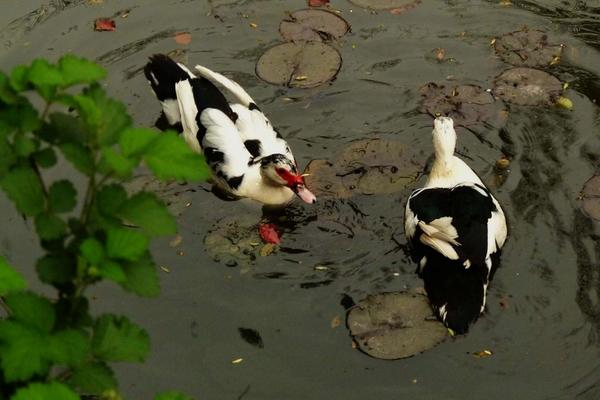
[18,78]
[45,391]
[54,269]
[118,339]
[68,347]
[126,244]
[10,280]
[64,128]
[121,165]
[149,213]
[135,141]
[45,77]
[170,158]
[110,198]
[23,187]
[7,156]
[79,156]
[77,70]
[62,196]
[7,93]
[113,271]
[172,395]
[142,278]
[31,310]
[45,158]
[21,352]
[50,226]
[92,250]
[24,145]
[93,378]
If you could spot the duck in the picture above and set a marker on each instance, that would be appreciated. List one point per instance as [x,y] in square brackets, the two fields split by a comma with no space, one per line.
[455,229]
[248,157]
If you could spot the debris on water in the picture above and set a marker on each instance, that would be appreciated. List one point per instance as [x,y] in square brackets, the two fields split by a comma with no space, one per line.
[237,361]
[267,249]
[177,197]
[317,3]
[565,103]
[253,25]
[482,353]
[394,325]
[165,269]
[335,322]
[234,239]
[183,38]
[590,198]
[176,241]
[252,337]
[440,54]
[269,233]
[313,25]
[283,63]
[181,253]
[368,166]
[105,25]
[527,86]
[502,164]
[405,7]
[467,105]
[384,4]
[528,48]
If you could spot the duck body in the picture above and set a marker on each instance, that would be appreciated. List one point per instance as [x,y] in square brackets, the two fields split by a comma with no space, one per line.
[456,229]
[247,156]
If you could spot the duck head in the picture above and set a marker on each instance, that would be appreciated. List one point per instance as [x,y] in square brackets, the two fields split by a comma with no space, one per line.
[444,137]
[279,170]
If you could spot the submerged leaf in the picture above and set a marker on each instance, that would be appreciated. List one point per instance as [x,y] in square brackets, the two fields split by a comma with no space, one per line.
[527,86]
[528,48]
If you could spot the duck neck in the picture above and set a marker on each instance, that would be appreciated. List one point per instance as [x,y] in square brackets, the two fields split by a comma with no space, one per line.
[444,156]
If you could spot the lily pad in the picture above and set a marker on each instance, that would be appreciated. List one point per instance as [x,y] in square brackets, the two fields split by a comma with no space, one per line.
[302,65]
[527,86]
[528,48]
[467,105]
[368,166]
[313,25]
[382,4]
[590,197]
[234,241]
[394,325]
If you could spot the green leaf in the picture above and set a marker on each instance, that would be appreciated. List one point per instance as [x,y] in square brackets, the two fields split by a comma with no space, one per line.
[23,187]
[110,198]
[45,391]
[50,226]
[122,166]
[135,141]
[31,310]
[7,93]
[7,156]
[172,395]
[62,196]
[126,244]
[142,278]
[93,378]
[45,158]
[45,77]
[10,280]
[18,78]
[170,158]
[118,339]
[68,347]
[64,128]
[21,352]
[92,251]
[24,145]
[79,156]
[149,213]
[112,271]
[77,70]
[55,269]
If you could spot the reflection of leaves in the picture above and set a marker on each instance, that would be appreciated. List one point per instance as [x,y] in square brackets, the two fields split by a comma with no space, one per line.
[394,325]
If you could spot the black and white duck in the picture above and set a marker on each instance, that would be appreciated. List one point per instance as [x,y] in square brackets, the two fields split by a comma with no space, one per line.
[456,229]
[247,155]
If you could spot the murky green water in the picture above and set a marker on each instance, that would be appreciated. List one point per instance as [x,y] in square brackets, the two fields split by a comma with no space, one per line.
[545,339]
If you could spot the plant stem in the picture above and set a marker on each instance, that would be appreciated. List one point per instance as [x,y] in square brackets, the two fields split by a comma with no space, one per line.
[4,306]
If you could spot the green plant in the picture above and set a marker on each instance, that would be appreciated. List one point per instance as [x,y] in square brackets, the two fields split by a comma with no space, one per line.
[51,348]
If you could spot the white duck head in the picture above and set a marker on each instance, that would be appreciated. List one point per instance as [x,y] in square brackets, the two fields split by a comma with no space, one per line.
[279,170]
[444,138]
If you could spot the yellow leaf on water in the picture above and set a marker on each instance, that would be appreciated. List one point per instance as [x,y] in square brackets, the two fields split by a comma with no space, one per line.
[564,102]
[237,360]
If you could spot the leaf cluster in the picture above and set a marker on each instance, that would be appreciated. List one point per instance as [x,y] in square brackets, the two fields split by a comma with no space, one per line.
[52,347]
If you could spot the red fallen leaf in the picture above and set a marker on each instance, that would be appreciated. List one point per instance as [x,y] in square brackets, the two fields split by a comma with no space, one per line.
[183,37]
[317,3]
[269,234]
[407,7]
[104,25]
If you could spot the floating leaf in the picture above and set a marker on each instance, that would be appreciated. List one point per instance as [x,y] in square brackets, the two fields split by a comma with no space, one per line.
[565,103]
[467,105]
[527,86]
[590,197]
[394,325]
[184,38]
[382,4]
[281,64]
[528,48]
[105,25]
[313,25]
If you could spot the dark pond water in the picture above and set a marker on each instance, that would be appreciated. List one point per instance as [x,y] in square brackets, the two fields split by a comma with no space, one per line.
[546,336]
